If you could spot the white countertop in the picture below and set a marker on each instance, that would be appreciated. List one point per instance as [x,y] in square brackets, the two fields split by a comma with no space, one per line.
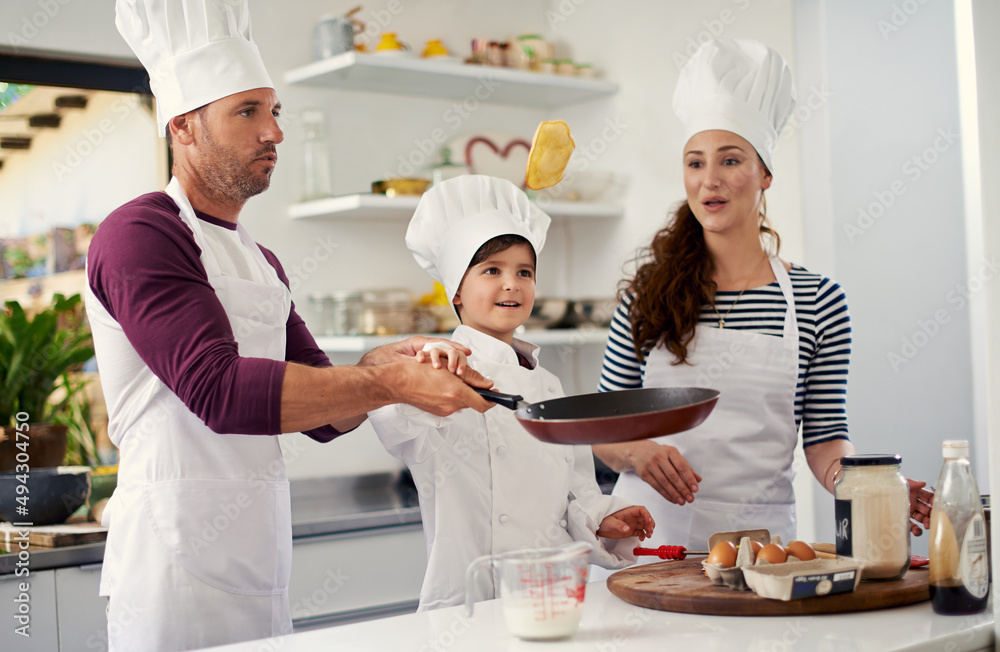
[611,625]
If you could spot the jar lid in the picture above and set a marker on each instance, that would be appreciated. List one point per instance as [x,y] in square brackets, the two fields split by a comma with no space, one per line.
[953,449]
[870,460]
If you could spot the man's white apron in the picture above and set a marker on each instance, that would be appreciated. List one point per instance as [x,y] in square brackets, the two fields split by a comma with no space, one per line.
[199,550]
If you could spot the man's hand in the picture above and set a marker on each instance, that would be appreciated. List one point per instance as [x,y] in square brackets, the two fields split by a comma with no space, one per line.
[438,391]
[407,348]
[632,521]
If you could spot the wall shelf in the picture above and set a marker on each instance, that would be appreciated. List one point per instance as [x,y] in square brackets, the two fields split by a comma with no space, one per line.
[553,337]
[369,206]
[355,71]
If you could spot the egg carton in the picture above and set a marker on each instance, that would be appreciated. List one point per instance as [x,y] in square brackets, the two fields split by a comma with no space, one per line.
[734,576]
[803,579]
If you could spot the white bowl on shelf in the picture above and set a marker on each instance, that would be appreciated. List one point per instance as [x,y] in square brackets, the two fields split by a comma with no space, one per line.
[580,186]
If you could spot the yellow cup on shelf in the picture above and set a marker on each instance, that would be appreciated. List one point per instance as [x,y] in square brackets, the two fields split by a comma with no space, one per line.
[389,42]
[435,48]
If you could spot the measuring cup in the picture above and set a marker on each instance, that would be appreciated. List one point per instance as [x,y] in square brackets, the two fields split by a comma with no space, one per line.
[542,589]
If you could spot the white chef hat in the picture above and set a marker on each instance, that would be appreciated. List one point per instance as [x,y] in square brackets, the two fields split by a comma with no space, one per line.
[458,216]
[195,51]
[740,86]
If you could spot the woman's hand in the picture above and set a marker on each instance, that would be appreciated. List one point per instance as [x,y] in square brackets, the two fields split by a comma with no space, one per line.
[632,521]
[661,467]
[921,502]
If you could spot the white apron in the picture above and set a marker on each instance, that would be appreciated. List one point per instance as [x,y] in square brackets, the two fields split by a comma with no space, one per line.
[743,451]
[199,548]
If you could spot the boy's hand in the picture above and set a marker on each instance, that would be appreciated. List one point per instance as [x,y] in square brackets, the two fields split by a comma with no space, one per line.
[632,521]
[435,352]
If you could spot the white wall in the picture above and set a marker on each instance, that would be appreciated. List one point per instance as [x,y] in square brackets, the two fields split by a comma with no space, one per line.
[884,211]
[868,104]
[978,21]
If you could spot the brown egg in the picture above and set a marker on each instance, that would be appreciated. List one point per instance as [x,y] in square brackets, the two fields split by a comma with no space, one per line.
[772,553]
[756,546]
[800,550]
[724,552]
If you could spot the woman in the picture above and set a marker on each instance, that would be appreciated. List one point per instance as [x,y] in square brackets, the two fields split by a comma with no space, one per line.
[714,306]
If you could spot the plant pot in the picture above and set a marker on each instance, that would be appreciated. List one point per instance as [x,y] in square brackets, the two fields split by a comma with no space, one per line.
[46,446]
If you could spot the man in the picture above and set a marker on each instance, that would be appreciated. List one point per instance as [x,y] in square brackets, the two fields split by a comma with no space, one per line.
[202,354]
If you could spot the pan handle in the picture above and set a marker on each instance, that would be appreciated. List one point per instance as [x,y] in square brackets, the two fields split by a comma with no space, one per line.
[511,401]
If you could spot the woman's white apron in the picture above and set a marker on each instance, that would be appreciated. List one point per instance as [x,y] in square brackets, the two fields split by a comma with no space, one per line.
[199,548]
[743,451]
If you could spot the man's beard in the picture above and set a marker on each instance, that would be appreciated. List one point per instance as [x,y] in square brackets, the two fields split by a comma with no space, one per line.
[225,173]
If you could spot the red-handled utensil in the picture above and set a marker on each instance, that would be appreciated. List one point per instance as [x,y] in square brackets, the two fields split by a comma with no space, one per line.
[668,552]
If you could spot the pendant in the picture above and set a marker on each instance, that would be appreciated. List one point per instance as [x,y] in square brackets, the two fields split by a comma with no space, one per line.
[722,322]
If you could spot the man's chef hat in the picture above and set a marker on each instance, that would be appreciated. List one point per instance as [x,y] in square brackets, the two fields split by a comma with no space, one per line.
[195,51]
[740,86]
[458,216]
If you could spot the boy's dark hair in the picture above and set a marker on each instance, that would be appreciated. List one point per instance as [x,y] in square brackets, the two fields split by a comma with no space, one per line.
[498,244]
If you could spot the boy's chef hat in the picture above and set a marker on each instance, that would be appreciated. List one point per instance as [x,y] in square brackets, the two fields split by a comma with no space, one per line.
[195,51]
[740,86]
[458,216]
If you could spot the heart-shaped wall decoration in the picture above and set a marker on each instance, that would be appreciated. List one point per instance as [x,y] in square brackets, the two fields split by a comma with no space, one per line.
[497,155]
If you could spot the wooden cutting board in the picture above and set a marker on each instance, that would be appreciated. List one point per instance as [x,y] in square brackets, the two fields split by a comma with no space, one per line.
[681,586]
[71,533]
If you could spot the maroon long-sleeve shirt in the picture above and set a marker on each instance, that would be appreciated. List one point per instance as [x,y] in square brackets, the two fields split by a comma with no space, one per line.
[145,268]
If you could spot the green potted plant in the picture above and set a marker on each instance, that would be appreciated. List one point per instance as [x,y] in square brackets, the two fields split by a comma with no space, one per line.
[37,356]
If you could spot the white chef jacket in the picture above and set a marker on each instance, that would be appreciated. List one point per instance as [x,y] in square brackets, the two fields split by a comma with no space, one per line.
[486,486]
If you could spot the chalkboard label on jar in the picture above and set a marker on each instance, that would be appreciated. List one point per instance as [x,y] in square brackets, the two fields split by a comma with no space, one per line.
[842,512]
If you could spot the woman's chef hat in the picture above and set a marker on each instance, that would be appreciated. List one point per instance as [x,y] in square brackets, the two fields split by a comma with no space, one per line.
[458,216]
[740,86]
[195,51]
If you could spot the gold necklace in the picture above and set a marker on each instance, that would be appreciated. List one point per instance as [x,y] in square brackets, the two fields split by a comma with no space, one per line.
[722,318]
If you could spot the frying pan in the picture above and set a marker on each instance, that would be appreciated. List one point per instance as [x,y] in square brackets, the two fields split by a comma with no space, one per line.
[611,417]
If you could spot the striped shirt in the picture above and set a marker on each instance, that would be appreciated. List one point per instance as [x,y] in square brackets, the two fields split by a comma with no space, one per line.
[824,346]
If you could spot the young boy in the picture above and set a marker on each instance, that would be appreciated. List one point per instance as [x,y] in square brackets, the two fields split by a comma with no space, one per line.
[485,485]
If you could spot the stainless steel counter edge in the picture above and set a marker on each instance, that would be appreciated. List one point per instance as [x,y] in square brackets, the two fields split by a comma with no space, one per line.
[319,506]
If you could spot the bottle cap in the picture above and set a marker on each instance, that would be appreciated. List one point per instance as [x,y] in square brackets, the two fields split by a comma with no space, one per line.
[952,449]
[870,460]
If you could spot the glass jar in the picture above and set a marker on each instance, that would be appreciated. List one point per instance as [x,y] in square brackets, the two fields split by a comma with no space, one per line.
[386,312]
[872,506]
[317,182]
[336,313]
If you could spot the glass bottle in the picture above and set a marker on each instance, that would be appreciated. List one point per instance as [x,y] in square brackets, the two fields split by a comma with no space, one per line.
[316,177]
[872,506]
[959,575]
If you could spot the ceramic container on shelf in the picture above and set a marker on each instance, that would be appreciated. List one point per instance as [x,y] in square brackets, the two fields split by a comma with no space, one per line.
[446,169]
[435,48]
[584,70]
[547,66]
[529,51]
[332,35]
[389,44]
[566,67]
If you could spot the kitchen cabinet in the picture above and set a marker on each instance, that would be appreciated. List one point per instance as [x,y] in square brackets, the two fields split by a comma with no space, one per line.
[354,576]
[83,622]
[41,605]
